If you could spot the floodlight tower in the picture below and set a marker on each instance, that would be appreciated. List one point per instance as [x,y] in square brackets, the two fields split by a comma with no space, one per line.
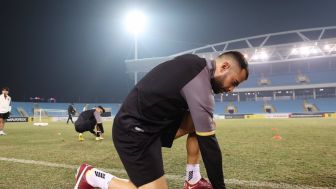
[135,23]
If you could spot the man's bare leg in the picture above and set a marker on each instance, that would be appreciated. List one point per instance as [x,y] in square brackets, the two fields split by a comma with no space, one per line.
[193,174]
[2,124]
[193,152]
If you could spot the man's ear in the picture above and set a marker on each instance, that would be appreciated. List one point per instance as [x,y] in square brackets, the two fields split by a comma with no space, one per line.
[225,65]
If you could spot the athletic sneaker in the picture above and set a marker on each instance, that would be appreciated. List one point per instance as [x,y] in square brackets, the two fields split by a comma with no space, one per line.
[80,137]
[2,133]
[81,182]
[201,184]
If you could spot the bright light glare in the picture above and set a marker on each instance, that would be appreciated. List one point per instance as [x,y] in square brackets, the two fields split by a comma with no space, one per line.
[294,51]
[135,21]
[261,55]
[305,50]
[315,50]
[255,56]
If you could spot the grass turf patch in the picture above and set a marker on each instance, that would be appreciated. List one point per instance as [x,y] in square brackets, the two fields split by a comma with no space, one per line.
[304,156]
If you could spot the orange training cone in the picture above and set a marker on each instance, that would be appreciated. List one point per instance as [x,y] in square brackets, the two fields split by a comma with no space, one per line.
[277,137]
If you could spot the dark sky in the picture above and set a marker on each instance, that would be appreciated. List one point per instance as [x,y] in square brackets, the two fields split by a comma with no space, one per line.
[74,50]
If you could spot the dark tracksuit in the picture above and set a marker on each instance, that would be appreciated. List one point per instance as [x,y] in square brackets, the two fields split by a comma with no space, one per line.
[71,111]
[87,121]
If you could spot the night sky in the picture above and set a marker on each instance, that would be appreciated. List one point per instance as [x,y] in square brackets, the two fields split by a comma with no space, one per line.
[74,50]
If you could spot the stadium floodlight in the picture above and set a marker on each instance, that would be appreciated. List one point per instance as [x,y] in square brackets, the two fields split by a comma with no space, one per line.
[315,50]
[255,56]
[264,55]
[261,55]
[135,23]
[294,51]
[305,50]
[328,47]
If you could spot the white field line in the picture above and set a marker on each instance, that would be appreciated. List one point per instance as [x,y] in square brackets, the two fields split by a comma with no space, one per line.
[172,177]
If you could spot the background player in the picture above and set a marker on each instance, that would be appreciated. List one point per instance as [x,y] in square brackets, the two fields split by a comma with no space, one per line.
[71,112]
[5,108]
[87,121]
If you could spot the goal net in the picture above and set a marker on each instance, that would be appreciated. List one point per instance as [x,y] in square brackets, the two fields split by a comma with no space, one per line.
[42,117]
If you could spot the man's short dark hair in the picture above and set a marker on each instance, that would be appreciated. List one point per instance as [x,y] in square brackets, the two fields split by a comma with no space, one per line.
[5,89]
[239,57]
[101,107]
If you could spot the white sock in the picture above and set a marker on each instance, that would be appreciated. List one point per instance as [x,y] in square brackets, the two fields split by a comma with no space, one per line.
[193,174]
[98,178]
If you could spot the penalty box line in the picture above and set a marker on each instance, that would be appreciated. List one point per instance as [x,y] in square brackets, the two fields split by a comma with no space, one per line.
[170,176]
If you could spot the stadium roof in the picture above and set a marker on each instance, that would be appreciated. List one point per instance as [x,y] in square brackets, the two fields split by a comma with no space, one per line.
[285,46]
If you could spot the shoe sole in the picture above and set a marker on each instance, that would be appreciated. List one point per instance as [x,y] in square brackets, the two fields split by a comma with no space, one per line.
[80,177]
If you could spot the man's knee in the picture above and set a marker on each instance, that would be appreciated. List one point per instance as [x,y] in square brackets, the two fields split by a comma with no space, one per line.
[186,126]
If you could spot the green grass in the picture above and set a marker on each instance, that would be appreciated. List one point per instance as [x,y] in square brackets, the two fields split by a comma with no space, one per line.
[305,155]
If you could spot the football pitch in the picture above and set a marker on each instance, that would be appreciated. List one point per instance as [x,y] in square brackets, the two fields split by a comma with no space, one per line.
[303,156]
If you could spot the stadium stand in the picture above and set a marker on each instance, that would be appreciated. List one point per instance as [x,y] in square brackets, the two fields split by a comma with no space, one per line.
[280,106]
[291,79]
[325,104]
